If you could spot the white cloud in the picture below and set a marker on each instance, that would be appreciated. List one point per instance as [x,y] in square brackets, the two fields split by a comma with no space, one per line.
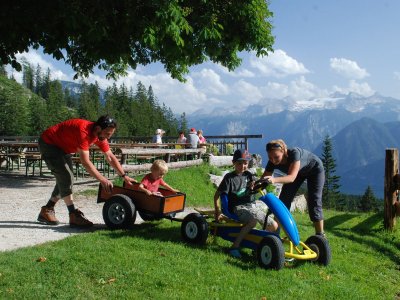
[35,59]
[210,82]
[362,88]
[347,68]
[245,93]
[181,97]
[239,72]
[277,64]
[299,89]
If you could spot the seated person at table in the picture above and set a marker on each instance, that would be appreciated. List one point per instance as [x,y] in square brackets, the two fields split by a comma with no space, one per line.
[249,211]
[181,140]
[151,182]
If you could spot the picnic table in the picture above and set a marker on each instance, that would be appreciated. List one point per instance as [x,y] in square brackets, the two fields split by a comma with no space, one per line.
[20,153]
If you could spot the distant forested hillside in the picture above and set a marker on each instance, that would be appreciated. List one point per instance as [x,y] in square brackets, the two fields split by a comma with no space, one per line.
[40,102]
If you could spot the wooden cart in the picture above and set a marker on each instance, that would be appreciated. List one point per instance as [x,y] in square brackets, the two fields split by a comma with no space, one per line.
[123,203]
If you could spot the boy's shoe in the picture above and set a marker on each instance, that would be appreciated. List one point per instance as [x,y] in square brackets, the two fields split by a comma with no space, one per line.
[78,219]
[48,216]
[235,252]
[321,234]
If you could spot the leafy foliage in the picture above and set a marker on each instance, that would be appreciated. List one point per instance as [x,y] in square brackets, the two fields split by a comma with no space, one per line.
[116,34]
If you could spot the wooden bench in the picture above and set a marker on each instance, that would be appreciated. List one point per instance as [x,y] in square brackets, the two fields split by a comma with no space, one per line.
[33,159]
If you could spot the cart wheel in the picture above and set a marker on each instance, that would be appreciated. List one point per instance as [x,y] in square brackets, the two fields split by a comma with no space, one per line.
[321,246]
[147,216]
[119,212]
[194,229]
[270,253]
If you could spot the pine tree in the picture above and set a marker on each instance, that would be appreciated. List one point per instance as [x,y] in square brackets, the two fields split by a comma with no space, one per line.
[38,80]
[14,108]
[331,188]
[28,76]
[183,125]
[368,200]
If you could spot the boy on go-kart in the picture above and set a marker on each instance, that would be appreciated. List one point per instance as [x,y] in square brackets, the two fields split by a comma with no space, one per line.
[241,202]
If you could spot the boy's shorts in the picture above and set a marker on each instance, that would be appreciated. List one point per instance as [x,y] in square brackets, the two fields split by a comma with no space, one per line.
[254,210]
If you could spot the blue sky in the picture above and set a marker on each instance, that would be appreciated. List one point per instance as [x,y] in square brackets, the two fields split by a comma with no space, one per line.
[321,47]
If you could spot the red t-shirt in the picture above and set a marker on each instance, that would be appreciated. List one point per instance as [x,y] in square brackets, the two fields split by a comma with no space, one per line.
[151,184]
[72,135]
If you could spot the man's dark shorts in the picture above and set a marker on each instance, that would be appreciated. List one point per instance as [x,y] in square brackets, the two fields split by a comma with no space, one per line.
[60,165]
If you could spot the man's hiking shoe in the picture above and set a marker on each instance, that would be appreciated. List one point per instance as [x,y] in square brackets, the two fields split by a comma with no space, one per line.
[235,252]
[78,219]
[47,216]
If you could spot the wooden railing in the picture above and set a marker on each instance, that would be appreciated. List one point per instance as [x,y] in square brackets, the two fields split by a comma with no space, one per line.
[222,144]
[140,147]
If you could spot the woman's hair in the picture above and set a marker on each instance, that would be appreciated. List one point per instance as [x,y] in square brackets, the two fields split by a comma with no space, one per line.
[200,131]
[159,164]
[105,122]
[276,144]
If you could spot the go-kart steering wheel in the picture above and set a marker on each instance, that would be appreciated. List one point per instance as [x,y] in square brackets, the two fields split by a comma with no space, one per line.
[259,185]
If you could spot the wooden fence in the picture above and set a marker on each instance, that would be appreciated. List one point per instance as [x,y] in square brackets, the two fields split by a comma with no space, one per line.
[137,147]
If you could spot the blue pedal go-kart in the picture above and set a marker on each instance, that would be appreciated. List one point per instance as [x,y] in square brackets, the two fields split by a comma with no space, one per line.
[271,250]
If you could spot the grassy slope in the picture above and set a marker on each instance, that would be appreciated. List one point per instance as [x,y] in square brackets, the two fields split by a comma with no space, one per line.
[151,262]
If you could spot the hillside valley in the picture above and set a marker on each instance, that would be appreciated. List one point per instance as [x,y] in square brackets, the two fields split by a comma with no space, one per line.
[360,128]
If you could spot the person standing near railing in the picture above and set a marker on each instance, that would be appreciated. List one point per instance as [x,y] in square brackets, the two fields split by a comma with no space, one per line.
[157,138]
[57,144]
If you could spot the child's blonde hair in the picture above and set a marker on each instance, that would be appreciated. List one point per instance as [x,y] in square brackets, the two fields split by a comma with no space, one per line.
[159,164]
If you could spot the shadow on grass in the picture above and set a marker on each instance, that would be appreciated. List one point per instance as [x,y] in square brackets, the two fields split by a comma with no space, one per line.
[368,226]
[62,228]
[364,233]
[157,231]
[337,220]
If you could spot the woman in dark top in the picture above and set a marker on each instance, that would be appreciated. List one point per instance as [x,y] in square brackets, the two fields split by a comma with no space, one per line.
[298,165]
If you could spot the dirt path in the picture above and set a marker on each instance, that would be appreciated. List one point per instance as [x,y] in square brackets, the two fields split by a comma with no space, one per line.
[20,201]
[21,198]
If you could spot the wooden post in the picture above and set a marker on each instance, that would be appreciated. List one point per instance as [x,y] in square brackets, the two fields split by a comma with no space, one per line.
[391,171]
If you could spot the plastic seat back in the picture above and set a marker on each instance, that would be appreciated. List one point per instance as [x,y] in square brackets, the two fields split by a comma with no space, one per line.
[224,208]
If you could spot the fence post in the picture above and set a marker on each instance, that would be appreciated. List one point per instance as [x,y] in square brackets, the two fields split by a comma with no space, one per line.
[391,170]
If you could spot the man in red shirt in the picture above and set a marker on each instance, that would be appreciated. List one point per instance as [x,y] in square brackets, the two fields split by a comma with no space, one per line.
[57,144]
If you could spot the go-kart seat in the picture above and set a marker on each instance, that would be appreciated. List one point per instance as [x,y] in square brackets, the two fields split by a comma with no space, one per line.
[224,208]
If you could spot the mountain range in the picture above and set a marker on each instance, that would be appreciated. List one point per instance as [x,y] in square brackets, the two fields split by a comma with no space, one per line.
[361,128]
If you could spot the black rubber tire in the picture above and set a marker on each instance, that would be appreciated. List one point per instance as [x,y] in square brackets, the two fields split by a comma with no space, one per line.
[194,229]
[147,216]
[320,245]
[270,253]
[119,212]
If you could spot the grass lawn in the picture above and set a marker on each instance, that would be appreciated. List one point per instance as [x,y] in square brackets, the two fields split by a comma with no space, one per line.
[152,262]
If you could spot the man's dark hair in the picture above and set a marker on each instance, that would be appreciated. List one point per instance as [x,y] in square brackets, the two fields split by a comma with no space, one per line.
[105,122]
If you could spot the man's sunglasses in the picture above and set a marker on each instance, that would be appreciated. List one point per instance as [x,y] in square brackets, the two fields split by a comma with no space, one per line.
[108,122]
